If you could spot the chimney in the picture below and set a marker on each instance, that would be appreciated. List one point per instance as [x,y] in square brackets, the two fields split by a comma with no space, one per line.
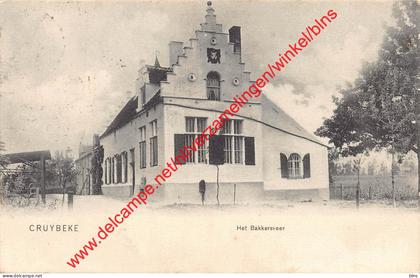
[175,49]
[95,140]
[235,37]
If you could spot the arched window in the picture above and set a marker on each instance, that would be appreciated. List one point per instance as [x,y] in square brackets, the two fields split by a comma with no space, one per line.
[213,86]
[293,164]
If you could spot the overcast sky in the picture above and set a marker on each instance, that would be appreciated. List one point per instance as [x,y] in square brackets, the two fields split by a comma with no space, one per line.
[67,68]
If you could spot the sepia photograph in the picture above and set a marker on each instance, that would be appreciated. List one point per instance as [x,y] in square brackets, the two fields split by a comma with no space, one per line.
[193,136]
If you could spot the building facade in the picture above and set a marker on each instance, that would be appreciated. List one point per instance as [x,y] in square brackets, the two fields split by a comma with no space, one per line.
[83,165]
[267,155]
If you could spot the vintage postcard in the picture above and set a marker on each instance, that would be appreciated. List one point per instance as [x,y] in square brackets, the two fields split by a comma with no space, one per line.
[209,136]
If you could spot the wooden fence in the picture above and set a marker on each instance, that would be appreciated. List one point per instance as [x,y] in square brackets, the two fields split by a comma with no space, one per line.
[373,187]
[347,192]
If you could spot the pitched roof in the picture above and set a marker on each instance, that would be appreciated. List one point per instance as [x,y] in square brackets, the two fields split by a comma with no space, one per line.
[126,114]
[129,112]
[26,156]
[274,116]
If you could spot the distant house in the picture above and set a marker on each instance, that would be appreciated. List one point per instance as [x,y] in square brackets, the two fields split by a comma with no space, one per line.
[266,153]
[83,166]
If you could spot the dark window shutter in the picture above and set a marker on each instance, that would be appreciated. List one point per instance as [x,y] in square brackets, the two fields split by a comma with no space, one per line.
[249,151]
[216,150]
[283,165]
[179,143]
[307,166]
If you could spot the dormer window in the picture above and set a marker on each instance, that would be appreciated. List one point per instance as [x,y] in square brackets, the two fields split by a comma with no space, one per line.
[213,86]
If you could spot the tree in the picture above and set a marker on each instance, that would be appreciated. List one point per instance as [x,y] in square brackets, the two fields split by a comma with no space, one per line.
[345,127]
[61,171]
[332,163]
[97,171]
[357,163]
[380,109]
[345,132]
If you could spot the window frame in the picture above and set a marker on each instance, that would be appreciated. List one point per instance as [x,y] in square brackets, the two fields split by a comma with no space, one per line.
[213,77]
[109,170]
[106,170]
[154,143]
[201,155]
[124,165]
[119,168]
[142,148]
[234,147]
[294,166]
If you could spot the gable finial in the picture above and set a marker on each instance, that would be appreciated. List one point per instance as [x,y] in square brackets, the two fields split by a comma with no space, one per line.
[157,64]
[210,10]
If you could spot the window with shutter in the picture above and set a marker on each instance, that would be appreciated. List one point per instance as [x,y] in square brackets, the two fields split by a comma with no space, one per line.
[283,166]
[307,166]
[249,151]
